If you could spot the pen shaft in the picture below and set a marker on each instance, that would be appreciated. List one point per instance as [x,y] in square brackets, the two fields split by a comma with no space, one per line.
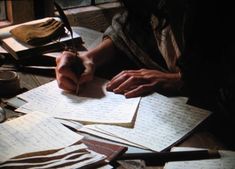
[173,156]
[78,68]
[77,89]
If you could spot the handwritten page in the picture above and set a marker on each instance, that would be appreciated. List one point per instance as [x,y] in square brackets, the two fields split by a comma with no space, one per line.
[160,123]
[108,136]
[33,132]
[35,160]
[227,161]
[93,105]
[78,157]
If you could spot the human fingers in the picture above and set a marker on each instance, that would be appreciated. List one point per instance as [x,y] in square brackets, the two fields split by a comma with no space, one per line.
[129,84]
[65,81]
[119,79]
[88,73]
[63,55]
[140,90]
[66,84]
[64,71]
[124,73]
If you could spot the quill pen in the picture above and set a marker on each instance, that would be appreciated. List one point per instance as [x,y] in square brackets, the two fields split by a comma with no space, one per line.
[77,66]
[64,18]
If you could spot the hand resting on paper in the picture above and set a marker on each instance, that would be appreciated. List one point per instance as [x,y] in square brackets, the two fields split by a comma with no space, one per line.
[134,83]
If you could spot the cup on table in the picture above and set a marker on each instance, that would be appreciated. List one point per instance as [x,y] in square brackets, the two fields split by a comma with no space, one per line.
[9,83]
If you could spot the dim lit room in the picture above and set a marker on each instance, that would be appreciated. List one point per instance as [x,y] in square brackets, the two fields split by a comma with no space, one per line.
[124,84]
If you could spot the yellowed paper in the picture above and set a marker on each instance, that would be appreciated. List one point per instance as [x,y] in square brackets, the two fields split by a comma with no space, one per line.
[93,105]
[160,123]
[31,133]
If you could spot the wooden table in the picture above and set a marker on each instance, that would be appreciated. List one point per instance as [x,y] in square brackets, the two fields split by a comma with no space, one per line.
[201,138]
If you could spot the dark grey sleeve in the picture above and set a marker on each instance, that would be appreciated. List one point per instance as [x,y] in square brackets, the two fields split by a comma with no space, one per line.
[116,32]
[120,33]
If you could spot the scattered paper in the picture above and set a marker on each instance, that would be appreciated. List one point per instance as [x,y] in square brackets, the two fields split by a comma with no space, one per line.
[160,123]
[93,105]
[2,51]
[31,133]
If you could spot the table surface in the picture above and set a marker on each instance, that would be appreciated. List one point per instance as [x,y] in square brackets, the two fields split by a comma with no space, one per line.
[201,137]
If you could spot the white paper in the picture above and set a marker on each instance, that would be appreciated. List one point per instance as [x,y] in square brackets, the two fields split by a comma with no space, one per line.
[31,133]
[46,161]
[64,151]
[160,123]
[69,160]
[106,167]
[81,160]
[68,157]
[94,104]
[92,158]
[93,131]
[227,161]
[3,50]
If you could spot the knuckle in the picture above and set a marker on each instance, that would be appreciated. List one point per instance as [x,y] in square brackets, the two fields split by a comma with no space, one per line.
[125,72]
[125,76]
[133,78]
[58,58]
[148,77]
[60,69]
[60,84]
[144,87]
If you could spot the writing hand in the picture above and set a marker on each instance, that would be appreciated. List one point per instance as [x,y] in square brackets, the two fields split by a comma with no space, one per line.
[68,70]
[72,71]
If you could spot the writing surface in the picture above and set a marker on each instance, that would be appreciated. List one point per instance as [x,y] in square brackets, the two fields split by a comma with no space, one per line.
[93,105]
[33,132]
[160,123]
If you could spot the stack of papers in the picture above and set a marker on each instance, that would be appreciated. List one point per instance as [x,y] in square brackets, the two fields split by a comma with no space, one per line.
[154,122]
[160,123]
[38,141]
[93,105]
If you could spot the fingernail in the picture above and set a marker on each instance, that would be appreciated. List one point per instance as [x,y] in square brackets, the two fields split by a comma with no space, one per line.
[116,90]
[108,87]
[127,95]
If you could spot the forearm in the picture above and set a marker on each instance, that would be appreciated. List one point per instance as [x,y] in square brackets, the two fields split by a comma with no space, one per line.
[103,53]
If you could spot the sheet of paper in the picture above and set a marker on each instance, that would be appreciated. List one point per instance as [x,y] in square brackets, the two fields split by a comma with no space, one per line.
[106,167]
[48,158]
[14,44]
[91,37]
[80,159]
[64,151]
[92,159]
[93,105]
[160,123]
[3,51]
[33,132]
[108,136]
[227,161]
